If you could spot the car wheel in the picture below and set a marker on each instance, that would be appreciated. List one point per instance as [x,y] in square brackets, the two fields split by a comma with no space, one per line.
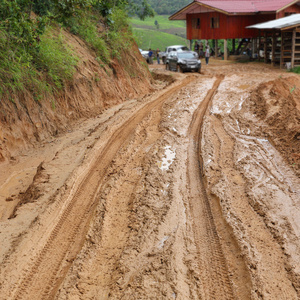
[164,60]
[179,69]
[167,67]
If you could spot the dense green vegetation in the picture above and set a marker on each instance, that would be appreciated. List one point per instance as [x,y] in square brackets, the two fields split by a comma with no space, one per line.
[166,7]
[296,70]
[33,53]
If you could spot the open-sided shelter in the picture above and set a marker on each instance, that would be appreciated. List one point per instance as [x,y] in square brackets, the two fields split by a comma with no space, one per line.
[281,40]
[226,19]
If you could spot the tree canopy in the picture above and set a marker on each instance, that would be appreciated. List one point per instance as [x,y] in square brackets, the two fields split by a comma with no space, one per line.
[165,7]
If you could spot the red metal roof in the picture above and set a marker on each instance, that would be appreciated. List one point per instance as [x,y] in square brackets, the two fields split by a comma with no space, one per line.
[246,6]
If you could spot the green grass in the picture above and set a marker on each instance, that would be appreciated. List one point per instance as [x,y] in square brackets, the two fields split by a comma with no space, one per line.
[56,57]
[17,72]
[40,72]
[86,28]
[163,22]
[155,39]
[164,25]
[168,33]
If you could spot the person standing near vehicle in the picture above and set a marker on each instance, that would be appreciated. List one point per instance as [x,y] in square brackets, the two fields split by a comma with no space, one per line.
[207,54]
[201,50]
[150,54]
[157,56]
[196,47]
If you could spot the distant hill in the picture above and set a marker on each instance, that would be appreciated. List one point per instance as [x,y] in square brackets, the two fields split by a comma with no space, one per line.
[158,32]
[166,7]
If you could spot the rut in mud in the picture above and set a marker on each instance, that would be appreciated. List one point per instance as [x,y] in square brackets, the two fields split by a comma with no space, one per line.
[212,263]
[165,200]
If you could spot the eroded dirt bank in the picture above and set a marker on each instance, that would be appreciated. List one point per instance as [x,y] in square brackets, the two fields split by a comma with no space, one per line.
[26,121]
[190,193]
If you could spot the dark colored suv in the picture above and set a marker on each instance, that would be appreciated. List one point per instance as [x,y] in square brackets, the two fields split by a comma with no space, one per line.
[169,49]
[183,61]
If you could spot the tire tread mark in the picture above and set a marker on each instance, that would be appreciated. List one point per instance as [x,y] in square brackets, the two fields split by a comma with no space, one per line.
[212,263]
[39,280]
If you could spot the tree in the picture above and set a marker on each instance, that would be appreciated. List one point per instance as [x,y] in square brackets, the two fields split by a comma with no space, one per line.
[141,8]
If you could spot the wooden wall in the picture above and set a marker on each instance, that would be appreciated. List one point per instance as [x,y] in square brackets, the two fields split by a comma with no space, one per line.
[230,27]
[292,9]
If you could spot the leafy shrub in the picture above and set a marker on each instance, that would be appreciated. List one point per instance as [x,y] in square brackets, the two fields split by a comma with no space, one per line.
[66,9]
[296,70]
[120,36]
[22,29]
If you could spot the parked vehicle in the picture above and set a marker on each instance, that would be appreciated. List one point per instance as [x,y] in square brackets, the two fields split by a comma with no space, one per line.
[183,61]
[169,49]
[145,54]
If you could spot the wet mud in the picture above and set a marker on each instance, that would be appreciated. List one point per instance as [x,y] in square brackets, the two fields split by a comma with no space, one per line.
[191,192]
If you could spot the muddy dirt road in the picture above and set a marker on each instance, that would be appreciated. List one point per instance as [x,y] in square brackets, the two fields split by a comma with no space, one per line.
[189,193]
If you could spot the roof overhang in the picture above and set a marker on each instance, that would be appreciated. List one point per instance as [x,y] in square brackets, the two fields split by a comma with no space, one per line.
[288,5]
[192,8]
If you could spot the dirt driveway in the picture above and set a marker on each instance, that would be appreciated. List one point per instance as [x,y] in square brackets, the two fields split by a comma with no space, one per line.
[189,193]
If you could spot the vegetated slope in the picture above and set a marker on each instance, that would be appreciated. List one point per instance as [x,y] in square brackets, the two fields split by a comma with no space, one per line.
[94,87]
[155,39]
[158,32]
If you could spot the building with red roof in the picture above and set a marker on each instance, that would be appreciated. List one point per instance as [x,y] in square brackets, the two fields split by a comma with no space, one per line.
[226,19]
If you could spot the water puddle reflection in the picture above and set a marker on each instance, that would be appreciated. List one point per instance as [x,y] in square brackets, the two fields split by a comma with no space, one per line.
[168,158]
[162,242]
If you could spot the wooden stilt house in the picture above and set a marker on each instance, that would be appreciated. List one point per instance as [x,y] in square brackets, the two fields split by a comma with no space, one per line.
[226,19]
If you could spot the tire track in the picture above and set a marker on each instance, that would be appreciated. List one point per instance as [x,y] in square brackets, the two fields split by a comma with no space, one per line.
[50,265]
[213,269]
[116,226]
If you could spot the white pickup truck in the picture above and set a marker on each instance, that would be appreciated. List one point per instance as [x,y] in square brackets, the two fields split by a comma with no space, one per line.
[164,55]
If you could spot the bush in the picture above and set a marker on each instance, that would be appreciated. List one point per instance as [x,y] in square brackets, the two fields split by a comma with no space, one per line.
[34,58]
[19,70]
[86,28]
[296,70]
[119,36]
[16,71]
[16,20]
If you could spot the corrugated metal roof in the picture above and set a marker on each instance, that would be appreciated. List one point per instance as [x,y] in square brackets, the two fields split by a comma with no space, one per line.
[289,21]
[234,7]
[243,6]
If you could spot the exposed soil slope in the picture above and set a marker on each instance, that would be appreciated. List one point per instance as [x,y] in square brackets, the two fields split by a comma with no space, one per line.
[95,87]
[189,193]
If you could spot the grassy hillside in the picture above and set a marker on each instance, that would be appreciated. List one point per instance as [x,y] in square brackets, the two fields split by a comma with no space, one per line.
[159,32]
[163,21]
[147,38]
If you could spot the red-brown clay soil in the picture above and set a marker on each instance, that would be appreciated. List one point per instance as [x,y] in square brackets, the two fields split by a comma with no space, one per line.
[191,192]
